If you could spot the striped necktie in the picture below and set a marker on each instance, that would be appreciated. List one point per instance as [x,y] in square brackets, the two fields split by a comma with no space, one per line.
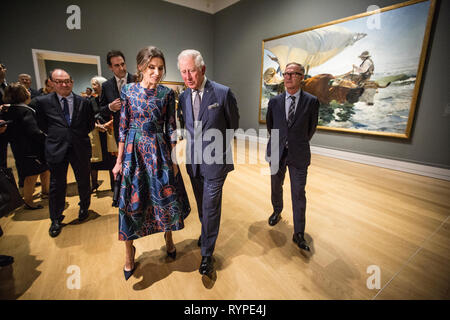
[121,83]
[291,112]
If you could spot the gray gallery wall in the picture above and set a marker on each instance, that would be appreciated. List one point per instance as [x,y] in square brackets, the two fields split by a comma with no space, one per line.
[114,24]
[238,34]
[231,43]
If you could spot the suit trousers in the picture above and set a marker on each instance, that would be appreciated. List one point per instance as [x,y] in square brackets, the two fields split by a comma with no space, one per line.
[81,166]
[298,183]
[3,150]
[208,195]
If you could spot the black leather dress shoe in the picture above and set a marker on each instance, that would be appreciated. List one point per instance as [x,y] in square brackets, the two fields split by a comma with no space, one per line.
[55,229]
[199,242]
[28,207]
[206,266]
[274,218]
[299,239]
[83,214]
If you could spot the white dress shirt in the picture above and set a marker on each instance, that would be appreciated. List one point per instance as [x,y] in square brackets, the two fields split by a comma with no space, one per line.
[201,90]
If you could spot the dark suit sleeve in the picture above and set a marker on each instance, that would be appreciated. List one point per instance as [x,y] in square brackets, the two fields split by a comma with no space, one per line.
[31,127]
[41,118]
[313,120]
[104,110]
[269,118]
[95,104]
[90,116]
[231,111]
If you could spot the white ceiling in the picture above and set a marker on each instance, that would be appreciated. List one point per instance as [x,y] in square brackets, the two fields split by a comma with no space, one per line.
[209,6]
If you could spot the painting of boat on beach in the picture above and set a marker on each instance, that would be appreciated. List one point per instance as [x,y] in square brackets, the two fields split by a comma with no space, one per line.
[365,70]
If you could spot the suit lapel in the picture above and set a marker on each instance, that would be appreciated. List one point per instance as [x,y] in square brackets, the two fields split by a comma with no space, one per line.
[301,109]
[282,105]
[116,88]
[208,98]
[130,78]
[77,102]
[188,106]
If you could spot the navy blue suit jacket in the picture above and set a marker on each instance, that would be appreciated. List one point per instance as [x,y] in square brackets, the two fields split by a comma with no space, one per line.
[298,134]
[219,111]
[60,136]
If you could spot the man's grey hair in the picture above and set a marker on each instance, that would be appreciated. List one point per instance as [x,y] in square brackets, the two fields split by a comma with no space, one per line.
[24,75]
[191,53]
[302,68]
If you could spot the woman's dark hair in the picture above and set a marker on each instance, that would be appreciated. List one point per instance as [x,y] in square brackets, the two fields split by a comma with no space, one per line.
[143,59]
[15,93]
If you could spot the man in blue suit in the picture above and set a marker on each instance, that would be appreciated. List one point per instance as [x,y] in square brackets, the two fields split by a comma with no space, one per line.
[210,112]
[294,114]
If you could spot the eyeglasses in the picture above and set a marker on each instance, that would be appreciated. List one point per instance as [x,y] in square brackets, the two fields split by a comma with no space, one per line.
[290,74]
[67,81]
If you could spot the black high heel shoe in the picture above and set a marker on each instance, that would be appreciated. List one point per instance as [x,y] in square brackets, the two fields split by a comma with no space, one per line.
[172,254]
[95,188]
[129,273]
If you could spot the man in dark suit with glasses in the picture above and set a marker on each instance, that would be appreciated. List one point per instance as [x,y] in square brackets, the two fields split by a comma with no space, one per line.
[294,114]
[67,119]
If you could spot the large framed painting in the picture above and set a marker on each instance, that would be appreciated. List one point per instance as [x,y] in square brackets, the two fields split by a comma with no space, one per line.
[365,70]
[177,87]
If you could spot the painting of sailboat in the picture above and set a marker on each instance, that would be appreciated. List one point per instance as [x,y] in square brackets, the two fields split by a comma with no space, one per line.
[365,69]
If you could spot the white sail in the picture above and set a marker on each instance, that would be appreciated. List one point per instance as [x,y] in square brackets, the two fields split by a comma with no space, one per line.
[312,48]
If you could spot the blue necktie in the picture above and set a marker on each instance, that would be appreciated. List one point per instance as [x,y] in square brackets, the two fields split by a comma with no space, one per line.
[66,110]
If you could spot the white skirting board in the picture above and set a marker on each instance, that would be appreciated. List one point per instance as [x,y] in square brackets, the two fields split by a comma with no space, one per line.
[420,169]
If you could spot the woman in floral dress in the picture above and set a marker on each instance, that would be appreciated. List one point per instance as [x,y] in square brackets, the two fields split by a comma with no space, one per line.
[152,194]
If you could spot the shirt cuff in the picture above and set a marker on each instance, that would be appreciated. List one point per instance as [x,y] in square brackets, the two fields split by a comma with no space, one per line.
[109,107]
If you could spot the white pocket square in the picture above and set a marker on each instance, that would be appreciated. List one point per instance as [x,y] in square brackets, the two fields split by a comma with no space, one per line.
[214,105]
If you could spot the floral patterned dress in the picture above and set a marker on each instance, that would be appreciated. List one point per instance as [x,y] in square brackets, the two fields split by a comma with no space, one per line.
[152,199]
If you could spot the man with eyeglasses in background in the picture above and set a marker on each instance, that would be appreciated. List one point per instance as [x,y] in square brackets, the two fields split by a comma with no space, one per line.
[67,119]
[294,113]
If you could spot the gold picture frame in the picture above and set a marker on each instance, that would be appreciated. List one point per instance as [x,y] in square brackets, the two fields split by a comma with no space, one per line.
[177,87]
[375,96]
